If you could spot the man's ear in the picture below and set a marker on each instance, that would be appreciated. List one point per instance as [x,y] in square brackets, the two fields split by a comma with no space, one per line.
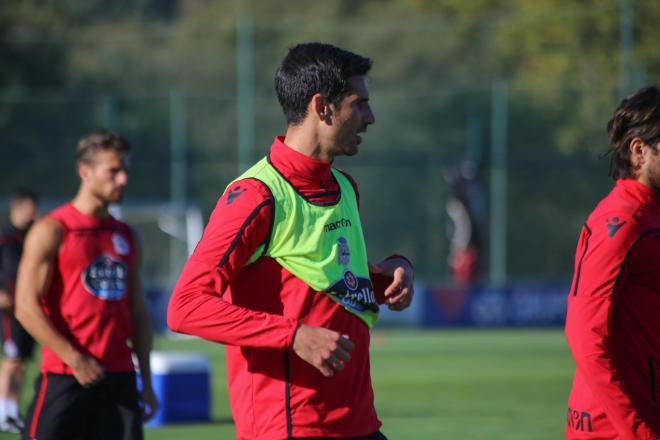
[320,107]
[637,146]
[83,170]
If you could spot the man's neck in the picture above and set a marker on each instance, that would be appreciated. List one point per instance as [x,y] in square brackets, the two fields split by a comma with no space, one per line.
[90,205]
[305,140]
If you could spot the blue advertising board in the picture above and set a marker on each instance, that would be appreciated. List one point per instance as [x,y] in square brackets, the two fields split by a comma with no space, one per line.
[483,306]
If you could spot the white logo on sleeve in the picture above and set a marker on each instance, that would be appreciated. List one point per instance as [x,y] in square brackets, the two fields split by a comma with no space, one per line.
[121,244]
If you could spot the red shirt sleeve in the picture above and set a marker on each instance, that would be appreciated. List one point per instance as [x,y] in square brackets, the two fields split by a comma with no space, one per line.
[599,277]
[240,222]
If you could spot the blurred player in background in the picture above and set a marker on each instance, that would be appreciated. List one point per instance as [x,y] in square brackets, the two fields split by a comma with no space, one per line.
[465,210]
[18,344]
[281,274]
[613,320]
[79,295]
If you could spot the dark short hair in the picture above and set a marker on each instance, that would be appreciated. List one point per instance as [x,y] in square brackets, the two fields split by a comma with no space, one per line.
[104,140]
[311,68]
[22,194]
[638,116]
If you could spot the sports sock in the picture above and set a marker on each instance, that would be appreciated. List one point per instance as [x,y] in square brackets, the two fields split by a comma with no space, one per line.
[11,408]
[3,409]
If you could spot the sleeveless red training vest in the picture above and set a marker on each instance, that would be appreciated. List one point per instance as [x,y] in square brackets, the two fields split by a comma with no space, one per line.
[88,295]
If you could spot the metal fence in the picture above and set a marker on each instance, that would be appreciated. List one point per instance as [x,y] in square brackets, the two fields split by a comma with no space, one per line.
[197,123]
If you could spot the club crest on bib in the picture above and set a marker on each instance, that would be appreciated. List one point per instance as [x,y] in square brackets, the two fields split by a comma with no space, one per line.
[106,278]
[343,251]
[120,244]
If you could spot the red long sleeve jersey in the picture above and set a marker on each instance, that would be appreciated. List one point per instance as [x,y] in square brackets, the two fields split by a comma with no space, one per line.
[613,319]
[255,309]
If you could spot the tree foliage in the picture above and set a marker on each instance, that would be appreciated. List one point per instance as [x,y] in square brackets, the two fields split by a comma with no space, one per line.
[70,66]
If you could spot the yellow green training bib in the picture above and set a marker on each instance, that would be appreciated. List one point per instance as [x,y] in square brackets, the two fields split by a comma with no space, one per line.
[322,245]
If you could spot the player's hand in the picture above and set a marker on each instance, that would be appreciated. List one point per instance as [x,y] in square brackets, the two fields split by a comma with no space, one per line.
[149,404]
[324,349]
[86,370]
[6,301]
[400,292]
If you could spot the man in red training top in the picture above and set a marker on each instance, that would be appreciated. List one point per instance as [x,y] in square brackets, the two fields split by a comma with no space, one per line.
[281,275]
[17,344]
[613,319]
[78,293]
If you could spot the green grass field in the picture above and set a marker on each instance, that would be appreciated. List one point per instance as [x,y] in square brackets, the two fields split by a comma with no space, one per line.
[448,384]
